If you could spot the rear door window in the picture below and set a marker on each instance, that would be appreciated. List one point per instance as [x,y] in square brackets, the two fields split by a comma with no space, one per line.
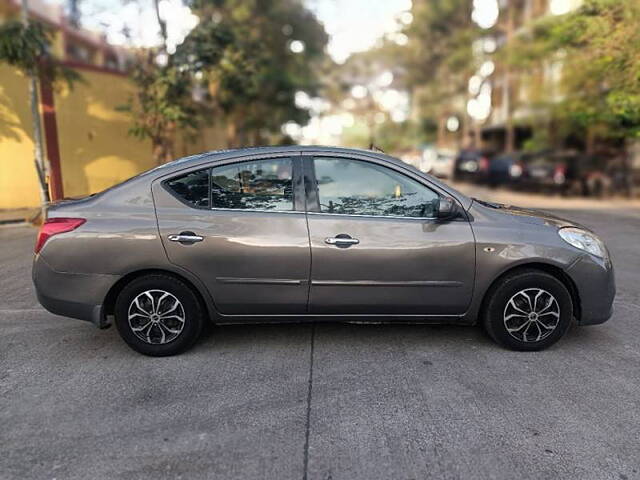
[257,185]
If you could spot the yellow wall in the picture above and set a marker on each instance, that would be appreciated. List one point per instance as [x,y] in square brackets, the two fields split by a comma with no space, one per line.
[95,148]
[18,178]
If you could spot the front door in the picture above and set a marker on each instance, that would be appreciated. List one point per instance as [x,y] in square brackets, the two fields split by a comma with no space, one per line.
[376,246]
[241,228]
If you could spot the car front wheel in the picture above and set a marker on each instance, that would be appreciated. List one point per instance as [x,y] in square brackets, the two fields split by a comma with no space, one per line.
[158,315]
[528,310]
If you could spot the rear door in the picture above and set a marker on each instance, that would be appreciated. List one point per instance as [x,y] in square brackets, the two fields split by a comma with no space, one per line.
[376,246]
[241,228]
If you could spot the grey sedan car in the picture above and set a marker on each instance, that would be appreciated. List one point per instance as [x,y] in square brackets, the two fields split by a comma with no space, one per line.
[313,234]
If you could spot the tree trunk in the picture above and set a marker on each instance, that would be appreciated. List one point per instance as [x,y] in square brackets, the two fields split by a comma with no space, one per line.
[590,146]
[466,127]
[162,150]
[231,133]
[510,137]
[442,131]
[162,24]
[38,145]
[477,136]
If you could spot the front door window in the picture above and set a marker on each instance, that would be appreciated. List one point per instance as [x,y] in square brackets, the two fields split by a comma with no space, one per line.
[353,187]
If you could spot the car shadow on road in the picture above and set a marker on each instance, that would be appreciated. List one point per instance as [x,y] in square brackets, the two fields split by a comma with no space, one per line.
[342,336]
[327,333]
[377,336]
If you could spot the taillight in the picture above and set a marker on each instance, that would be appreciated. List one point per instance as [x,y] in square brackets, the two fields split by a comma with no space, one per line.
[516,170]
[483,164]
[559,174]
[54,226]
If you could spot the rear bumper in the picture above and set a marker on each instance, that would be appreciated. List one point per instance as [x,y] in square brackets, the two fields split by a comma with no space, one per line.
[595,281]
[72,295]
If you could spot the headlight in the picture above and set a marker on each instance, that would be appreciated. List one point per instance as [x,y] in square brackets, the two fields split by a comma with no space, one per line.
[583,240]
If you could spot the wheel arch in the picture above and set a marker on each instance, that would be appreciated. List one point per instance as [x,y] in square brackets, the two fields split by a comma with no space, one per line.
[552,270]
[108,306]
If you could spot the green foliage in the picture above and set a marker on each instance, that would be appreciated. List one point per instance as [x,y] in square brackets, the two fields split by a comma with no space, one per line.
[23,46]
[26,47]
[598,47]
[162,104]
[239,55]
[243,49]
[439,58]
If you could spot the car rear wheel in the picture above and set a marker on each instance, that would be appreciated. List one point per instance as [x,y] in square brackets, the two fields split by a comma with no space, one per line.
[158,315]
[528,310]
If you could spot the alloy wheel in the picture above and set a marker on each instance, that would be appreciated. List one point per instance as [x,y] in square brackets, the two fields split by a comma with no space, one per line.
[156,317]
[531,315]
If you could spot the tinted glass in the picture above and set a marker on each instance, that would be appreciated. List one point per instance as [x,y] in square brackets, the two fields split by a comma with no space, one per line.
[192,188]
[260,185]
[354,187]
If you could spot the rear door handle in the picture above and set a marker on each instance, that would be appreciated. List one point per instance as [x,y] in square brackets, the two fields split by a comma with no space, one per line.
[185,237]
[343,240]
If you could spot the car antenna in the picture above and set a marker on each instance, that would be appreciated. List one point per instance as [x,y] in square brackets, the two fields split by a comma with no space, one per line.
[375,148]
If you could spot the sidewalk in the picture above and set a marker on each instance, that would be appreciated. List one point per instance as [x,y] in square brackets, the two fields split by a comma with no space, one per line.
[18,215]
[545,201]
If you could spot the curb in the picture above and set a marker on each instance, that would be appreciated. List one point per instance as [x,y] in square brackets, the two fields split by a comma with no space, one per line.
[14,223]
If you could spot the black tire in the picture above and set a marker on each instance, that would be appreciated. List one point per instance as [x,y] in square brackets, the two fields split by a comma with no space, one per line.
[530,281]
[190,310]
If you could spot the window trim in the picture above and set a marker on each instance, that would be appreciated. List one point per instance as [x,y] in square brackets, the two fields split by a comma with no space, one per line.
[297,180]
[313,194]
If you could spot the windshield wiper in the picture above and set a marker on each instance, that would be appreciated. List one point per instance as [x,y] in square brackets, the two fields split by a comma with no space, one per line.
[488,204]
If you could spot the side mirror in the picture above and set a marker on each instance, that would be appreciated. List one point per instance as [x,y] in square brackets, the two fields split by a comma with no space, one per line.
[447,208]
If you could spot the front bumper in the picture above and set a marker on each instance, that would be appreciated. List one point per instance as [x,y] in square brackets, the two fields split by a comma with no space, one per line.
[595,281]
[74,295]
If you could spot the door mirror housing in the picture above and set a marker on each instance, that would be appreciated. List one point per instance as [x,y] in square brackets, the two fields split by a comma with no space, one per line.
[447,208]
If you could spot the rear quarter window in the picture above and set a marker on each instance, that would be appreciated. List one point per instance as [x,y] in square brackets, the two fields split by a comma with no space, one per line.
[191,188]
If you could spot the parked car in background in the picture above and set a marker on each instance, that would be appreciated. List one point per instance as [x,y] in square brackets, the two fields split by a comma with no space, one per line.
[229,237]
[471,165]
[505,169]
[443,163]
[587,175]
[415,159]
[569,172]
[544,171]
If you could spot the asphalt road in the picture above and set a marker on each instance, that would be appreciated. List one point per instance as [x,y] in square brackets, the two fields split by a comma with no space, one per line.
[329,401]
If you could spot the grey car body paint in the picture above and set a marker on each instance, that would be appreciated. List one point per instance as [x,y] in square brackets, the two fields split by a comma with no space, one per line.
[74,271]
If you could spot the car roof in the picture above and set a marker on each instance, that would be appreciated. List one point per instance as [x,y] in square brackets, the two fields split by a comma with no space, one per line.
[220,155]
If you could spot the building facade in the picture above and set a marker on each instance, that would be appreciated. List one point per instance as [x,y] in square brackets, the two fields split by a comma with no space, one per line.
[86,136]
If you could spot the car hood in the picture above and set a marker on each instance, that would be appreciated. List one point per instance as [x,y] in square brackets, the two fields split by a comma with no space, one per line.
[530,216]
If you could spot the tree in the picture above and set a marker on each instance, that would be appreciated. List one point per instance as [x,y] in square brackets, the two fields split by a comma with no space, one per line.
[241,54]
[255,55]
[162,104]
[26,45]
[596,47]
[439,58]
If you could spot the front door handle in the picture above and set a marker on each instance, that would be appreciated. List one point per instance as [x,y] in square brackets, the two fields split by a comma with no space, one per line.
[343,240]
[185,237]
